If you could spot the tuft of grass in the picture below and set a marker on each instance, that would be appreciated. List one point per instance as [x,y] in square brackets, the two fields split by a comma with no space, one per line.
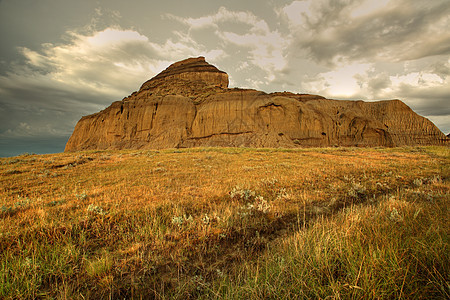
[99,266]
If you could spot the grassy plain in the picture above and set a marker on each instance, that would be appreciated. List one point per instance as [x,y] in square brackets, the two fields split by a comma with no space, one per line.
[226,223]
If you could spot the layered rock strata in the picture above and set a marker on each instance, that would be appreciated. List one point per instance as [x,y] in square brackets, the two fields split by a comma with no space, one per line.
[190,105]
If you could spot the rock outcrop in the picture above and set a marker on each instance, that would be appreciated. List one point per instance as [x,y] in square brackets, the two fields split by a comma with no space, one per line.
[191,69]
[190,105]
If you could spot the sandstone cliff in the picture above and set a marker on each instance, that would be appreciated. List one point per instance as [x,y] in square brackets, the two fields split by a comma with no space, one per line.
[189,105]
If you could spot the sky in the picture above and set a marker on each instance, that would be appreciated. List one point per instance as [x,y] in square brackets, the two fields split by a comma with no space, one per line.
[61,59]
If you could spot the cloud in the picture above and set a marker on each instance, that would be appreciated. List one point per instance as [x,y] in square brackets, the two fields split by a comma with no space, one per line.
[107,61]
[338,31]
[24,129]
[110,61]
[428,98]
[222,16]
[251,34]
[424,91]
[342,82]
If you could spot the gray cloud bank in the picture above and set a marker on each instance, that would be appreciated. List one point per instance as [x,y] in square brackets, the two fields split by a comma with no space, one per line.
[340,49]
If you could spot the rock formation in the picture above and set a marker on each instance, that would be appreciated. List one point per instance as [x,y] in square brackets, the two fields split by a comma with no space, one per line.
[190,105]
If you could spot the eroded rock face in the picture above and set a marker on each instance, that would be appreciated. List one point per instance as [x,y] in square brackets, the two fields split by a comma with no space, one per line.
[189,105]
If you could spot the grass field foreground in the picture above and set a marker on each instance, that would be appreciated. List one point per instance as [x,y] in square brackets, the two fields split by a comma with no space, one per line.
[226,223]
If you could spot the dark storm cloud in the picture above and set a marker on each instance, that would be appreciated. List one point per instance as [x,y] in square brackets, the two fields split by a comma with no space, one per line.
[34,110]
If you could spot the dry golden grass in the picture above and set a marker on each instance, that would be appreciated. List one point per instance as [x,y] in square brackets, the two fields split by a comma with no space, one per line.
[226,223]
